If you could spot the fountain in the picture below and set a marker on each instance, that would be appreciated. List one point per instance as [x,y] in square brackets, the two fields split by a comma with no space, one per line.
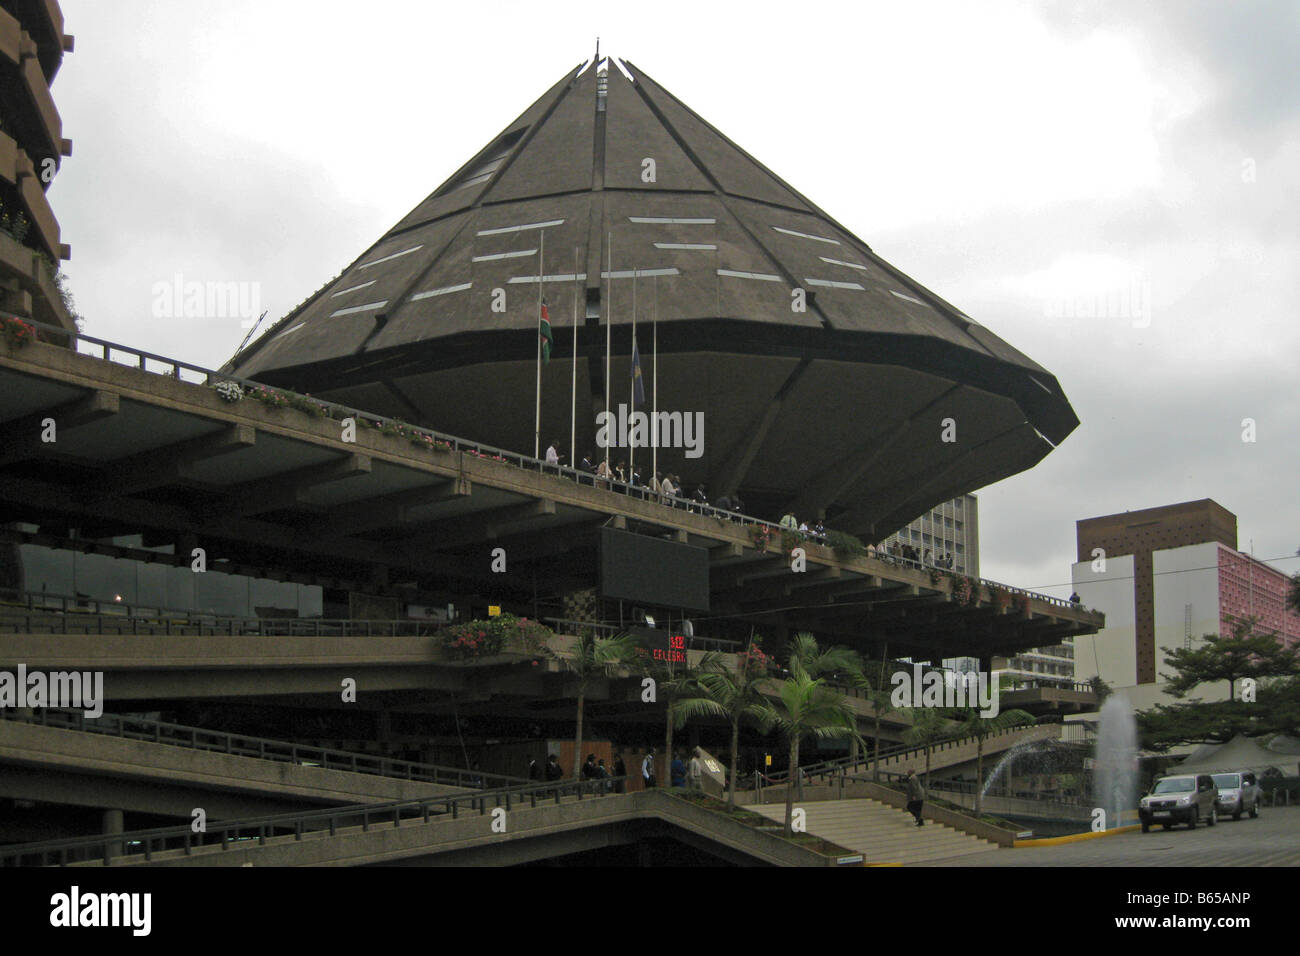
[1023,752]
[1115,774]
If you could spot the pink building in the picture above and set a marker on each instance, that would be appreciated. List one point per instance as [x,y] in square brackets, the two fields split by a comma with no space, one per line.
[1251,588]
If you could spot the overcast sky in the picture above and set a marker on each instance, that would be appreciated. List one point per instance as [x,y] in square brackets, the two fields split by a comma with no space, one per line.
[1111,187]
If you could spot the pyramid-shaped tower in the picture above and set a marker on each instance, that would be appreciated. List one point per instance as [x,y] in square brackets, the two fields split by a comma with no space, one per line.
[825,376]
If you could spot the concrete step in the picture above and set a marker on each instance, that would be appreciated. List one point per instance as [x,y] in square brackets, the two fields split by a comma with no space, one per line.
[881,833]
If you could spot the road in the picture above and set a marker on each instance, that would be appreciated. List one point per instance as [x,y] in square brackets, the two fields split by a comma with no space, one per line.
[1272,839]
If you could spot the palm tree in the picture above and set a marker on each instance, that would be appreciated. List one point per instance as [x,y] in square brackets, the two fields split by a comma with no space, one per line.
[736,696]
[928,728]
[592,658]
[973,725]
[875,694]
[805,707]
[678,683]
[816,661]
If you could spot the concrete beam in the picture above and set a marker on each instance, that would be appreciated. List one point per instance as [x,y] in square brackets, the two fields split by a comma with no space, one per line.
[285,490]
[22,439]
[163,466]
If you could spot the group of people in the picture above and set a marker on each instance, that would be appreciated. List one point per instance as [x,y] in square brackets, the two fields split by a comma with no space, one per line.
[789,522]
[682,772]
[898,551]
[665,487]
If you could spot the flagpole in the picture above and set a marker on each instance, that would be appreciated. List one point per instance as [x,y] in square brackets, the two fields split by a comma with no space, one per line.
[573,401]
[654,412]
[631,446]
[537,417]
[609,310]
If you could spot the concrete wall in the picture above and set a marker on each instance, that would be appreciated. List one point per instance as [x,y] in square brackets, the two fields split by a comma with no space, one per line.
[1110,652]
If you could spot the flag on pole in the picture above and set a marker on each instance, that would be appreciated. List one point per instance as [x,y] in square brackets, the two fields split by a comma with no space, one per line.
[544,330]
[638,387]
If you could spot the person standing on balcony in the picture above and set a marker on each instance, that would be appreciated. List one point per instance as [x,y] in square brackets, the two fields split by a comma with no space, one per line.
[620,771]
[695,772]
[648,769]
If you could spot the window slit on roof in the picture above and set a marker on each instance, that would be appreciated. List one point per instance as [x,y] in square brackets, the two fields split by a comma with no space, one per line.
[804,235]
[395,255]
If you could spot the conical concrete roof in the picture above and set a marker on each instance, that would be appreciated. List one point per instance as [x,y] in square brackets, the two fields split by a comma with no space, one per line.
[836,407]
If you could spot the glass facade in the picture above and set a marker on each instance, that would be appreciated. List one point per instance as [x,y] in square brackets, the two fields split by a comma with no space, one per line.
[131,581]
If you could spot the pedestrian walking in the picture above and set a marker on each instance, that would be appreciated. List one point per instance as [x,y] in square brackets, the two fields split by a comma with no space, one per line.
[648,769]
[915,795]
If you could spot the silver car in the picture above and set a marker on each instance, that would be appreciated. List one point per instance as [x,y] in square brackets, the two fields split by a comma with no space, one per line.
[1184,798]
[1238,793]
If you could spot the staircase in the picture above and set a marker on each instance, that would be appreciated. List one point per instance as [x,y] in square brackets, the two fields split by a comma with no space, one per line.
[881,833]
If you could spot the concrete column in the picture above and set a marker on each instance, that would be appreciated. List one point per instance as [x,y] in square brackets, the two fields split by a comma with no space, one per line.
[114,823]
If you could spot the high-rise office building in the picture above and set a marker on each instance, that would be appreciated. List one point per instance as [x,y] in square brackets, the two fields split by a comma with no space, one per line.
[1165,577]
[949,528]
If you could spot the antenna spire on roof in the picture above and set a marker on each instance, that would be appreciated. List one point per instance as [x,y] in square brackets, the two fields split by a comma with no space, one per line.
[597,49]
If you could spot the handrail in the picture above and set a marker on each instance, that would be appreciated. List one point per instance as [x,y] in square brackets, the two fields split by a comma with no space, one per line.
[697,643]
[451,443]
[230,833]
[262,748]
[837,764]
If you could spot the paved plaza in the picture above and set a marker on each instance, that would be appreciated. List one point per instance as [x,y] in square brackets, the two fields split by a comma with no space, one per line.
[1272,839]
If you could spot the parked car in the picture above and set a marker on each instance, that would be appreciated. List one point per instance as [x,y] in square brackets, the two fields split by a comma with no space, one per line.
[1238,793]
[1182,798]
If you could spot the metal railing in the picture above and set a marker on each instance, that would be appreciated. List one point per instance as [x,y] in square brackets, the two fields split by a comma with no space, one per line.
[827,768]
[438,441]
[697,643]
[236,833]
[240,745]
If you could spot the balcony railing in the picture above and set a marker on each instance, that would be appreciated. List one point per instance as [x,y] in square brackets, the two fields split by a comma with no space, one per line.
[198,375]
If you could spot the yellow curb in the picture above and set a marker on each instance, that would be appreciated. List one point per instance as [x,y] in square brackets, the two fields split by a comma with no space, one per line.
[882,864]
[1074,837]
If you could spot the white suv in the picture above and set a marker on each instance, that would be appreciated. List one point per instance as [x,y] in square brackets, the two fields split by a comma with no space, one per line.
[1185,798]
[1238,793]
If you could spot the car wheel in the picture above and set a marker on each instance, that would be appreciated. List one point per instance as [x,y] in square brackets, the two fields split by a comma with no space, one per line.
[1146,828]
[1167,826]
[1214,816]
[1196,818]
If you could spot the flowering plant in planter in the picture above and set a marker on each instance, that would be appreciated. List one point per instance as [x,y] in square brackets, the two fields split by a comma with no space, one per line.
[470,640]
[935,575]
[789,540]
[974,586]
[479,638]
[268,396]
[17,333]
[760,534]
[961,590]
[229,391]
[754,662]
[305,403]
[1001,599]
[1021,602]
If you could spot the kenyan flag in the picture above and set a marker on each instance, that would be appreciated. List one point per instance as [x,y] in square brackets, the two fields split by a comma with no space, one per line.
[544,330]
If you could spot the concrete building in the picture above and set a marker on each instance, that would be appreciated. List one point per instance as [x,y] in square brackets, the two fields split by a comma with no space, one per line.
[1040,666]
[1164,577]
[229,556]
[32,147]
[952,527]
[824,374]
